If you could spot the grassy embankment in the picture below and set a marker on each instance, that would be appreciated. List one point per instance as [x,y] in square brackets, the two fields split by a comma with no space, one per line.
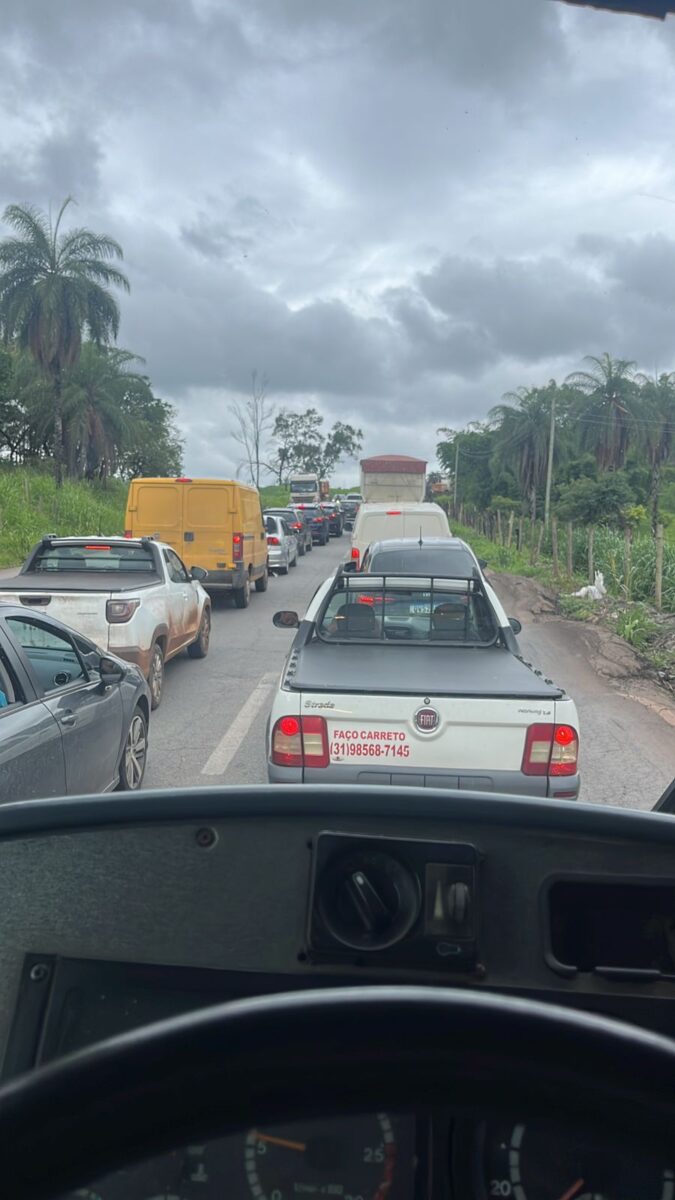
[31,505]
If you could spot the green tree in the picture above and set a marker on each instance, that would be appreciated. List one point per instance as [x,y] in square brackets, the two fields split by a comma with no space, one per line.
[656,421]
[53,287]
[301,445]
[98,426]
[523,423]
[607,408]
[596,501]
[473,449]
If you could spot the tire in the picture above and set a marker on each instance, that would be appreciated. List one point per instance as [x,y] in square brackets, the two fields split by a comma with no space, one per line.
[135,753]
[156,676]
[200,647]
[284,570]
[301,550]
[310,547]
[295,561]
[262,581]
[242,595]
[340,532]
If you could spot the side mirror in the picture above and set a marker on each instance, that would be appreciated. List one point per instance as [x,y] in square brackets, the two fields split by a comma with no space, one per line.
[198,574]
[111,672]
[350,565]
[515,624]
[286,619]
[482,563]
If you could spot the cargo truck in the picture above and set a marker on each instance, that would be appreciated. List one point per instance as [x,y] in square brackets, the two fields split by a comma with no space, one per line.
[393,477]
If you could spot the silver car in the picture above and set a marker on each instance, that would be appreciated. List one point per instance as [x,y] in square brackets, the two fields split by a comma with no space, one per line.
[282,544]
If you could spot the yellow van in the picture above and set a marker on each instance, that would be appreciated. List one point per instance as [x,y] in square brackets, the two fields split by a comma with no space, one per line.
[212,523]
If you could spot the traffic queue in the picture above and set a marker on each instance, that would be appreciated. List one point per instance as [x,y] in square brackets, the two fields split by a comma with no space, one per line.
[88,624]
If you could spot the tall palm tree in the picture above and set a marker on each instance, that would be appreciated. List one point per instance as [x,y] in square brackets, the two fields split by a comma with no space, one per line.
[522,437]
[54,286]
[98,426]
[656,421]
[609,409]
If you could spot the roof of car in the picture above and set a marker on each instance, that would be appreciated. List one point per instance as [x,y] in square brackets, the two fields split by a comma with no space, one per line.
[399,506]
[410,543]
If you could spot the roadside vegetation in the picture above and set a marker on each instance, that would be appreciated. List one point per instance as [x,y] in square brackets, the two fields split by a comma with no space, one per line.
[32,505]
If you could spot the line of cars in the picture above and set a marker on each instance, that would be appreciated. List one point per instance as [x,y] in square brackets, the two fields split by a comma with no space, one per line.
[293,531]
[406,671]
[88,624]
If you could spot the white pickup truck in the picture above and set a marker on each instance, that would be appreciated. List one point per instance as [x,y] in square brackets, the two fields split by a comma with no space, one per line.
[418,680]
[131,596]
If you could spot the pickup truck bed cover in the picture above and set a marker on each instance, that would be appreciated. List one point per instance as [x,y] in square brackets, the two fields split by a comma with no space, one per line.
[490,671]
[80,581]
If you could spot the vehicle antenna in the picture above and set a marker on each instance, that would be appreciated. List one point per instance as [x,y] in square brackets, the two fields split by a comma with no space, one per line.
[420,543]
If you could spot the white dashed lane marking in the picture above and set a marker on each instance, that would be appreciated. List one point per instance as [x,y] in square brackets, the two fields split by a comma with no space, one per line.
[233,737]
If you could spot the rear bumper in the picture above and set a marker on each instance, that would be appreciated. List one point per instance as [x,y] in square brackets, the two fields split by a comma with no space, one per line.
[511,783]
[225,581]
[275,557]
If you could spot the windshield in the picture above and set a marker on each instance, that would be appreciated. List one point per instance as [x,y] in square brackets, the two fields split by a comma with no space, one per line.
[406,265]
[408,611]
[93,557]
[422,560]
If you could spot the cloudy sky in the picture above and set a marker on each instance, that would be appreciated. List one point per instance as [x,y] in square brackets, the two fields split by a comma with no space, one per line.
[396,210]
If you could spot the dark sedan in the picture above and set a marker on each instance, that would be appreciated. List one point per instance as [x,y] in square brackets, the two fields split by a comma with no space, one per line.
[335,522]
[318,522]
[73,720]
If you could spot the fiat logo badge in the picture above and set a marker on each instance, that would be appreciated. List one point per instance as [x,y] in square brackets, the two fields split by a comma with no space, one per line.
[427,719]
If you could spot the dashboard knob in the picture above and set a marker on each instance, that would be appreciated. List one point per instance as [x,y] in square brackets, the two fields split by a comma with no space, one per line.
[368,900]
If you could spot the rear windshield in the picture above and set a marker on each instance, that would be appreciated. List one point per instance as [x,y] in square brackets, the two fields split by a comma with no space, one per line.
[304,486]
[405,611]
[85,557]
[423,561]
[308,511]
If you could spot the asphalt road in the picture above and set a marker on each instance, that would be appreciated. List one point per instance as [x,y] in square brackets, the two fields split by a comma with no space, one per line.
[210,728]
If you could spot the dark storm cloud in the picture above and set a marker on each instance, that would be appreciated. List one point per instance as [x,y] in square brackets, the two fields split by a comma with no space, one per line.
[395,211]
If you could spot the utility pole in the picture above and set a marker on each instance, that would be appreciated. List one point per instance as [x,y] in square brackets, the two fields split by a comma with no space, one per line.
[454,489]
[549,466]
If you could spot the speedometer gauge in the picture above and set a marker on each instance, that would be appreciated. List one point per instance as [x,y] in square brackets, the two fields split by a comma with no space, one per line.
[351,1159]
[542,1161]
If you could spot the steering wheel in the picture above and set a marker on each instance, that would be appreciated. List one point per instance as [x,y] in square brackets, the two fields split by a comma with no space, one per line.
[328,1052]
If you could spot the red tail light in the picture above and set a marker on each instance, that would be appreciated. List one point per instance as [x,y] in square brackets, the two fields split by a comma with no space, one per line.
[300,742]
[117,612]
[183,479]
[237,547]
[393,512]
[550,750]
[128,533]
[355,554]
[272,540]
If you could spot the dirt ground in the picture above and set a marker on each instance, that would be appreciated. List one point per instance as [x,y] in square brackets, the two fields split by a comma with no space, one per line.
[627,718]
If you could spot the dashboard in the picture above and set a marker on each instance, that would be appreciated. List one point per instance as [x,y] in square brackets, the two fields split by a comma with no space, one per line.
[121,911]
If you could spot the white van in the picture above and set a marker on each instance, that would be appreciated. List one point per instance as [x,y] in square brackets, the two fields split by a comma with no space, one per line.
[379,522]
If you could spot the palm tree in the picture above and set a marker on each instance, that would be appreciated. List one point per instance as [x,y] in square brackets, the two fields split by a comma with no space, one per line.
[609,412]
[656,421]
[53,287]
[522,438]
[98,426]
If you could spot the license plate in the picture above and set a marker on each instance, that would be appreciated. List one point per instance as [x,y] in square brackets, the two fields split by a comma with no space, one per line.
[420,610]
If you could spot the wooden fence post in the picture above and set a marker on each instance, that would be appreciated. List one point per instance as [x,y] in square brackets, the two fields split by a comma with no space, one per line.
[533,542]
[499,528]
[591,559]
[570,549]
[520,533]
[658,581]
[554,545]
[509,536]
[627,548]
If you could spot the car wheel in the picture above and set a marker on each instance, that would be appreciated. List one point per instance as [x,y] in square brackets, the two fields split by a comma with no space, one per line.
[135,754]
[284,570]
[294,561]
[156,675]
[242,595]
[262,581]
[301,549]
[310,546]
[339,532]
[200,646]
